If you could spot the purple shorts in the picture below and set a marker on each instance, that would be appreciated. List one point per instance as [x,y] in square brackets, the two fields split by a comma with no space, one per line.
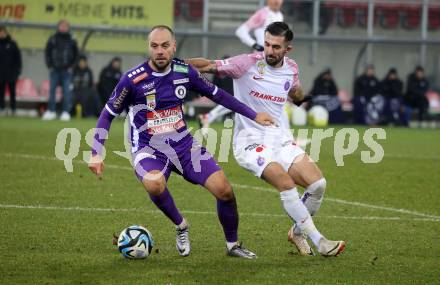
[195,164]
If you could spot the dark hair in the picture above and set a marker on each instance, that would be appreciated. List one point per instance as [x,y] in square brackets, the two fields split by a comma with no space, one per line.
[392,70]
[82,57]
[420,68]
[280,29]
[3,28]
[163,27]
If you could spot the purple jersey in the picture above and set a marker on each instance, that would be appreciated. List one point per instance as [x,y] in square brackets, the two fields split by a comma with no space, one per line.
[159,136]
[154,101]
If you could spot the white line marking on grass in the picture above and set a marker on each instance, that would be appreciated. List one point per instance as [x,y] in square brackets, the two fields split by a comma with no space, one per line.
[244,186]
[340,201]
[262,215]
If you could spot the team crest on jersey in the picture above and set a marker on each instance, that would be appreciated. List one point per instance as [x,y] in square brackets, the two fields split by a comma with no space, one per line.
[286,85]
[151,99]
[260,67]
[180,91]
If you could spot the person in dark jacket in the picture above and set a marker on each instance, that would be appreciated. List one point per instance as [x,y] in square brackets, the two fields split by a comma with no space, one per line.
[86,100]
[415,98]
[392,90]
[108,78]
[61,55]
[366,87]
[325,93]
[10,68]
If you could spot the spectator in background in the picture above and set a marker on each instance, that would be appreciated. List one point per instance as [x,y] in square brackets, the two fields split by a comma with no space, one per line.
[366,87]
[10,68]
[86,100]
[415,98]
[392,90]
[258,23]
[61,55]
[325,93]
[108,78]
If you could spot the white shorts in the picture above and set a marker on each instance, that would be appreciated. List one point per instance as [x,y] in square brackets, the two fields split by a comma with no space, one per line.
[255,157]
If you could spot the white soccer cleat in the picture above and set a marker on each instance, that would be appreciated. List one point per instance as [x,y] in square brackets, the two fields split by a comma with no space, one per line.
[65,116]
[183,244]
[49,116]
[239,251]
[330,247]
[300,242]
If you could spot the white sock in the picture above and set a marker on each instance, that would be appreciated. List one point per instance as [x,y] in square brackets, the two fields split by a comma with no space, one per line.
[298,212]
[312,199]
[313,196]
[182,225]
[217,112]
[230,245]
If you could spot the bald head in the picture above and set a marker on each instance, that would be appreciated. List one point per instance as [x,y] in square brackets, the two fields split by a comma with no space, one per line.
[162,47]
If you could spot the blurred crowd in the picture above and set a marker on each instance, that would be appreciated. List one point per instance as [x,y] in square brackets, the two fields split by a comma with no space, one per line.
[374,101]
[68,69]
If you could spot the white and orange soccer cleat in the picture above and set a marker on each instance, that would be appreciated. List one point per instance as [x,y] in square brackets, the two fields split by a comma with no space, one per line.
[300,242]
[330,247]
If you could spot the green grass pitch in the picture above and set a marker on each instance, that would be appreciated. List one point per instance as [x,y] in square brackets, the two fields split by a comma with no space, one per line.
[56,227]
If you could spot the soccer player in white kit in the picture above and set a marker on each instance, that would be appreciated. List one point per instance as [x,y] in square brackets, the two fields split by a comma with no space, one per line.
[264,81]
[256,23]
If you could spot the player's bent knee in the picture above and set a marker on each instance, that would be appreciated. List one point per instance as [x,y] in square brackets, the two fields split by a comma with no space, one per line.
[225,191]
[154,186]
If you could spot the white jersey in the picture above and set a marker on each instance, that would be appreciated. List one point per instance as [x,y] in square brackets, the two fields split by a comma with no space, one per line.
[264,89]
[258,23]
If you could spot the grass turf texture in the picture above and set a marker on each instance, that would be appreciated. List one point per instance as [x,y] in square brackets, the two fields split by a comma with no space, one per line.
[62,245]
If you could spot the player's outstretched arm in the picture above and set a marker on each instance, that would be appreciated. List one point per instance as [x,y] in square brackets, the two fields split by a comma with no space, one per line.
[203,65]
[96,163]
[203,86]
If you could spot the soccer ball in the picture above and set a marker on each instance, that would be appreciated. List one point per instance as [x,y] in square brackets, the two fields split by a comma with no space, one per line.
[318,116]
[135,242]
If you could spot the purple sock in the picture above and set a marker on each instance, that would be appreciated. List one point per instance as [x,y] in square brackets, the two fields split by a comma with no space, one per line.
[228,216]
[166,204]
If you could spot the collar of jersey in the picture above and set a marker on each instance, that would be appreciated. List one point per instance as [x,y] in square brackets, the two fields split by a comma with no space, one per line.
[154,73]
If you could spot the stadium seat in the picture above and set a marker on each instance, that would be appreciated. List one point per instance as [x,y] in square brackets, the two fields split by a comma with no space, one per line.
[192,10]
[434,17]
[177,8]
[388,15]
[26,90]
[411,18]
[345,99]
[434,102]
[196,9]
[346,15]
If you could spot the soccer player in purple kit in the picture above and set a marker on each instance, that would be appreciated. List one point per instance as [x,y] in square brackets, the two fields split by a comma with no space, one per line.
[160,142]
